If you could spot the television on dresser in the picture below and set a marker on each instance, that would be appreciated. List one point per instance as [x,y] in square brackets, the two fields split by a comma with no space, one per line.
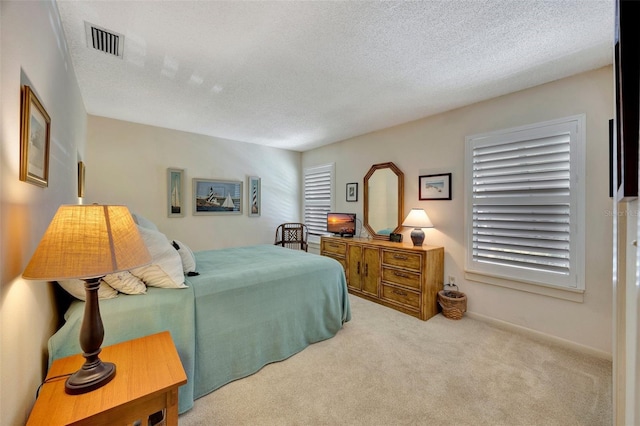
[343,224]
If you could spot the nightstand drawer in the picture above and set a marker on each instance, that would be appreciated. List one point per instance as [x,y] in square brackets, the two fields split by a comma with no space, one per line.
[402,260]
[334,247]
[403,278]
[402,296]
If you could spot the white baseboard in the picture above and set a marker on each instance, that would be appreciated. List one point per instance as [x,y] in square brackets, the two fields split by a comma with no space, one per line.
[541,336]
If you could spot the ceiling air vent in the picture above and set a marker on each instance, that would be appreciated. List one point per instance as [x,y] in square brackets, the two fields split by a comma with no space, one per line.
[104,40]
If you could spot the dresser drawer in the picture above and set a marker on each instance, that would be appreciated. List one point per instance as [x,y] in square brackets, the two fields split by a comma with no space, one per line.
[342,261]
[403,278]
[402,296]
[402,259]
[334,247]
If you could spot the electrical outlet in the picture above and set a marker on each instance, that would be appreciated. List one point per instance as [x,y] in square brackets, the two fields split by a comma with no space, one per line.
[452,279]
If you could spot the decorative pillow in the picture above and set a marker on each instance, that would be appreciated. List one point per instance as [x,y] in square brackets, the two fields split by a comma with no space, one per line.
[76,289]
[144,222]
[165,269]
[188,259]
[125,282]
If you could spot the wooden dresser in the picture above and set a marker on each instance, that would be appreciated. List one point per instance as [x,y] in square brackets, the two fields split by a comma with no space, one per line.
[398,275]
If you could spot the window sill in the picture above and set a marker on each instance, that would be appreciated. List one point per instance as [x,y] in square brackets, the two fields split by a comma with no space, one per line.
[571,294]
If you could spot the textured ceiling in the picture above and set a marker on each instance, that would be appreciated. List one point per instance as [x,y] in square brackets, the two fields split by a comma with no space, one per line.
[301,74]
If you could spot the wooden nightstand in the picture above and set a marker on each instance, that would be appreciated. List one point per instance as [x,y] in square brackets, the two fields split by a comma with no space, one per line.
[148,374]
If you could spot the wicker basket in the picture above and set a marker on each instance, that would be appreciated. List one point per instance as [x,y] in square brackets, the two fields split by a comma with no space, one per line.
[452,302]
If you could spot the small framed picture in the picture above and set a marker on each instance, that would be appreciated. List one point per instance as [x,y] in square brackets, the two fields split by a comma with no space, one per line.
[216,197]
[81,173]
[35,134]
[352,191]
[435,187]
[175,192]
[254,196]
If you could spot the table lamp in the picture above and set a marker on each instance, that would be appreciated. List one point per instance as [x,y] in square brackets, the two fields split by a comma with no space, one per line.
[88,242]
[417,219]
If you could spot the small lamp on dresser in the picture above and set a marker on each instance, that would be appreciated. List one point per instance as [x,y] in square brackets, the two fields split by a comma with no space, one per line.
[88,242]
[417,219]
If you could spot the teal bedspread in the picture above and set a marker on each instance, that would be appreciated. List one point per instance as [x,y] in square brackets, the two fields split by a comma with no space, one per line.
[249,306]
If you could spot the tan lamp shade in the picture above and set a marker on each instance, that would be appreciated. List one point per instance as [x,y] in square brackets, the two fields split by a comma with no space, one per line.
[417,218]
[87,241]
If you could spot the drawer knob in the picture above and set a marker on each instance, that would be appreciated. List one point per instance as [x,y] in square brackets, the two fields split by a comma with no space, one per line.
[400,257]
[399,292]
[398,274]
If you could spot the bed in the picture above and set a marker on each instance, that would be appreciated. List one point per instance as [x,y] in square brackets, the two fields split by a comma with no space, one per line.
[248,307]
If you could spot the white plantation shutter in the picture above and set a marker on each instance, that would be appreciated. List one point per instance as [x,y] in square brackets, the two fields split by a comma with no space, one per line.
[318,197]
[523,203]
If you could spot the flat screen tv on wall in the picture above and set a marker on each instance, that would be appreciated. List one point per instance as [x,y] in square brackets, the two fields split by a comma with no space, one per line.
[627,84]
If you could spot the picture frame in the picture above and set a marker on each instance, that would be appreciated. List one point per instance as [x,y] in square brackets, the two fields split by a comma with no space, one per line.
[81,172]
[175,192]
[352,191]
[35,136]
[254,196]
[216,197]
[611,165]
[434,187]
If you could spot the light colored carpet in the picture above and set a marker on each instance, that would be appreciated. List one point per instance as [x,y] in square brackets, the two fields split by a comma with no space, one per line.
[387,368]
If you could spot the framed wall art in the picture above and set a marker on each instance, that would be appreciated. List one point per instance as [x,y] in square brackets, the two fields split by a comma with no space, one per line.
[216,197]
[254,196]
[35,135]
[81,179]
[175,192]
[352,191]
[434,187]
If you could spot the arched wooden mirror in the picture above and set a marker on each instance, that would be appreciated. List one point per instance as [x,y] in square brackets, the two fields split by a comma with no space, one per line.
[383,200]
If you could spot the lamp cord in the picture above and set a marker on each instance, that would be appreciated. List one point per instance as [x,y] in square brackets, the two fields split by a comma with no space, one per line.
[50,379]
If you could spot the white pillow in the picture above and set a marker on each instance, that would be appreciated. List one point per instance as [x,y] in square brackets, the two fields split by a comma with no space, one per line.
[76,289]
[165,269]
[144,222]
[125,282]
[188,259]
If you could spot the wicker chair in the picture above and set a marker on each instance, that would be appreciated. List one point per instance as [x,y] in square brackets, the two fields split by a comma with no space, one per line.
[293,236]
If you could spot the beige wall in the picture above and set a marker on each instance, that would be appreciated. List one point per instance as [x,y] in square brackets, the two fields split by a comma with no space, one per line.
[32,52]
[436,145]
[127,164]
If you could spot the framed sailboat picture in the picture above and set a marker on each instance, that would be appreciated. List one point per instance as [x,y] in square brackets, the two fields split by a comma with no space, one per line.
[215,197]
[254,196]
[175,189]
[35,128]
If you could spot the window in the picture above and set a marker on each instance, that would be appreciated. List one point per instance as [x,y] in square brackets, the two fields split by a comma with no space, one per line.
[318,198]
[525,203]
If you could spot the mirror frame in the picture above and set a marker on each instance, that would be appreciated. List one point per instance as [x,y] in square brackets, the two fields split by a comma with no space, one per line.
[400,175]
